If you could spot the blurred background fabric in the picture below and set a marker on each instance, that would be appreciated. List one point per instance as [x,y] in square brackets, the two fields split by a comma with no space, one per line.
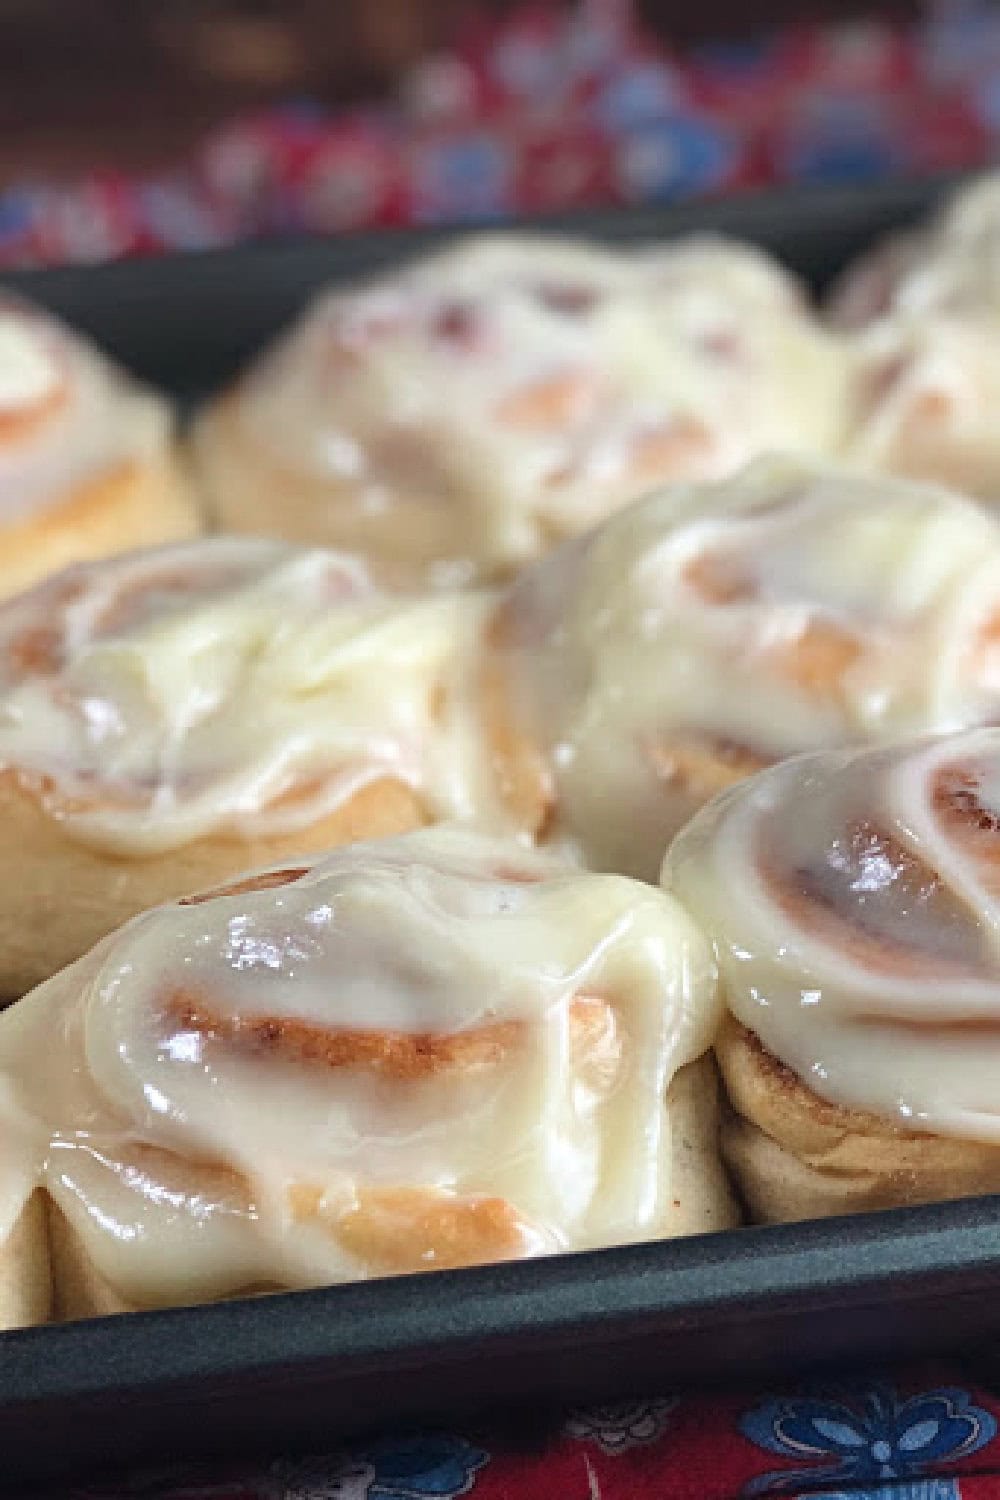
[136,126]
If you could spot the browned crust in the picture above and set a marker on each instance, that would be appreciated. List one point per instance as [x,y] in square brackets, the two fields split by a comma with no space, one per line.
[67,895]
[80,1291]
[796,1156]
[25,1269]
[137,505]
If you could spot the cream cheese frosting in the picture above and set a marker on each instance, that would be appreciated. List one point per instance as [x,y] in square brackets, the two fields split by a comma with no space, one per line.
[706,632]
[234,684]
[531,385]
[410,1053]
[853,904]
[67,415]
[926,308]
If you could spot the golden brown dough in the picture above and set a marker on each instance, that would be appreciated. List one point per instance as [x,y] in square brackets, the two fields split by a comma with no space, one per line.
[89,461]
[795,1156]
[25,1273]
[139,505]
[66,895]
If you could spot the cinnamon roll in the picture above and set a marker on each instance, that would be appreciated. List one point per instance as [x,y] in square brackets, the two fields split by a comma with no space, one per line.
[418,1053]
[459,416]
[87,459]
[851,899]
[174,716]
[708,631]
[925,310]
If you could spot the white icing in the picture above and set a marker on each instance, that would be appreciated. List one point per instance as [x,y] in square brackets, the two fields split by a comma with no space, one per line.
[193,689]
[29,374]
[532,385]
[794,607]
[91,418]
[855,917]
[927,376]
[444,934]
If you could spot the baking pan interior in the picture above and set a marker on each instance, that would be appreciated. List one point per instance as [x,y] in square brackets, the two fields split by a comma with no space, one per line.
[306,1368]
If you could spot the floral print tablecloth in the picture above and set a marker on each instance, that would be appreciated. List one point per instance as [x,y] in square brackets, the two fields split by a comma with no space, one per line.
[927,1435]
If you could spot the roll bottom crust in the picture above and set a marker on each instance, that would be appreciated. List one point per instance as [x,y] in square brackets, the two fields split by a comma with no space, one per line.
[62,896]
[139,505]
[25,1271]
[794,1156]
[701,1203]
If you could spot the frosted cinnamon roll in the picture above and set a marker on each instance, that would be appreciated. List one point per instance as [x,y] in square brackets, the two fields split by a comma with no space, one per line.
[87,461]
[426,1052]
[708,631]
[176,715]
[925,310]
[457,417]
[852,902]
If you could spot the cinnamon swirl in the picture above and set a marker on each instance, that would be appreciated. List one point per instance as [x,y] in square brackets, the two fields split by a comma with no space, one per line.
[425,1052]
[852,902]
[87,460]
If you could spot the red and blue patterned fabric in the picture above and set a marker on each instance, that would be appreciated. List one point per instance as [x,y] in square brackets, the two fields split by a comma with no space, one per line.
[552,108]
[925,1435]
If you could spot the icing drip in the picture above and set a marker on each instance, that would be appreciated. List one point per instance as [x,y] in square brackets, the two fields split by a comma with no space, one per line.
[425,1051]
[853,902]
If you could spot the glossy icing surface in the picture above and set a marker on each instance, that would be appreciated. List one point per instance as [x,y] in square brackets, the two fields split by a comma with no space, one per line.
[67,415]
[927,374]
[706,632]
[233,685]
[853,903]
[532,385]
[417,1052]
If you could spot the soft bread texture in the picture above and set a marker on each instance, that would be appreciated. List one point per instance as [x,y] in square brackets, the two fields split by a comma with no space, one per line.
[26,1296]
[140,504]
[702,1204]
[794,1156]
[62,896]
[246,492]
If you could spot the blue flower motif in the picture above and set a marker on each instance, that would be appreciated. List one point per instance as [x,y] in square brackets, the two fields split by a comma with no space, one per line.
[427,1464]
[870,1438]
[410,1468]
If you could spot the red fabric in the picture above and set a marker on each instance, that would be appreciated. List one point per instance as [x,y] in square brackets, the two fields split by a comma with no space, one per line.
[929,1434]
[552,108]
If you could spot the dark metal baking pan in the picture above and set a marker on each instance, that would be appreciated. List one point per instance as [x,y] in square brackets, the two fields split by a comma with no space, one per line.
[187,322]
[306,1368]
